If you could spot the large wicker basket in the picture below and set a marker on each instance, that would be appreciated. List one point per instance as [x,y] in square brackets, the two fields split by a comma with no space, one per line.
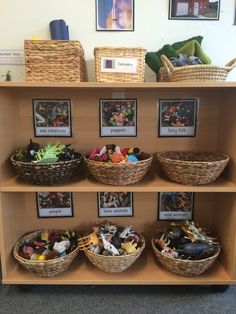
[45,174]
[103,54]
[119,174]
[55,60]
[192,168]
[47,268]
[185,267]
[203,72]
[114,264]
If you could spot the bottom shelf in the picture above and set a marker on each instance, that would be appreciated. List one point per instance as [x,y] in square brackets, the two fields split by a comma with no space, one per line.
[144,272]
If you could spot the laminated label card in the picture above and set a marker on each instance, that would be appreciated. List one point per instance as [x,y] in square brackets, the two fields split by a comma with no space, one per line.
[119,65]
[52,117]
[54,204]
[177,117]
[118,117]
[115,204]
[175,206]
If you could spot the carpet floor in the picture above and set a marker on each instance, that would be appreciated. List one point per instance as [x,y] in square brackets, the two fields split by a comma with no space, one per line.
[117,299]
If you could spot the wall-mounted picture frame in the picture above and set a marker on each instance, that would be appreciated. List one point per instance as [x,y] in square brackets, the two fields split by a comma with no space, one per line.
[177,117]
[175,206]
[115,204]
[52,117]
[118,117]
[114,15]
[54,204]
[194,9]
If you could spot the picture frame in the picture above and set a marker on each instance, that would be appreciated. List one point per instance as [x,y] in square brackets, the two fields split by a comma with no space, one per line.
[194,10]
[175,206]
[115,15]
[52,117]
[177,117]
[118,117]
[54,204]
[115,204]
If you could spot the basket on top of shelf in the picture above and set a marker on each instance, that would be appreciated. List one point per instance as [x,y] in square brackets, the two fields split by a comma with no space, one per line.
[185,267]
[119,173]
[202,72]
[192,167]
[43,268]
[112,263]
[55,61]
[49,171]
[119,64]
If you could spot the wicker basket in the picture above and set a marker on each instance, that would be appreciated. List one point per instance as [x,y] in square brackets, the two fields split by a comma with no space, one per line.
[45,174]
[203,72]
[114,264]
[192,168]
[119,174]
[55,61]
[185,267]
[103,54]
[47,268]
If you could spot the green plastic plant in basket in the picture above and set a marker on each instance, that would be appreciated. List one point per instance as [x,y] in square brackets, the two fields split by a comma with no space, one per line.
[49,153]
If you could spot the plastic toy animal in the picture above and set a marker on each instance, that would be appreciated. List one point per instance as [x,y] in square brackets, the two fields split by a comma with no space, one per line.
[109,247]
[126,232]
[130,247]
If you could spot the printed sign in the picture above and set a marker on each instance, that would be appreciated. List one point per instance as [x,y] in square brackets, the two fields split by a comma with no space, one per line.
[52,117]
[175,206]
[54,204]
[177,117]
[12,57]
[115,204]
[119,65]
[118,117]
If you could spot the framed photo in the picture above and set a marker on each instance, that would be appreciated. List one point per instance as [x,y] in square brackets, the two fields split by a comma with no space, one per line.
[177,117]
[54,204]
[194,10]
[52,117]
[175,206]
[115,204]
[118,117]
[115,15]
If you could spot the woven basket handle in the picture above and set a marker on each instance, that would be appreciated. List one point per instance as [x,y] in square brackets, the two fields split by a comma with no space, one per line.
[167,64]
[231,63]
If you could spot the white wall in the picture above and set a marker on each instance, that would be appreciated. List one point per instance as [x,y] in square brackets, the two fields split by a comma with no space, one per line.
[22,19]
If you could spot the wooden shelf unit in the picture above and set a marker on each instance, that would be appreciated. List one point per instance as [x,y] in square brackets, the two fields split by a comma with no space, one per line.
[215,204]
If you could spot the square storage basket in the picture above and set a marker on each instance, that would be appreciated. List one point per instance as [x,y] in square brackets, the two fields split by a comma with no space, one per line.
[119,64]
[55,61]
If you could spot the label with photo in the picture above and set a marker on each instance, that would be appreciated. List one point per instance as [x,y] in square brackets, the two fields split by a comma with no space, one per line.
[178,117]
[119,65]
[115,204]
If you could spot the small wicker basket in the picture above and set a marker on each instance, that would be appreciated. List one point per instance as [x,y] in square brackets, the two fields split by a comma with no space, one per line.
[45,174]
[47,268]
[114,264]
[185,267]
[111,54]
[55,61]
[203,72]
[192,168]
[119,174]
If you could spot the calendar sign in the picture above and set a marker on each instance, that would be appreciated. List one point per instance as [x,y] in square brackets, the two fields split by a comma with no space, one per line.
[12,57]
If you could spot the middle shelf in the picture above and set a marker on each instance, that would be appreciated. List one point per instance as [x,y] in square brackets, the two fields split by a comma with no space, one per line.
[150,183]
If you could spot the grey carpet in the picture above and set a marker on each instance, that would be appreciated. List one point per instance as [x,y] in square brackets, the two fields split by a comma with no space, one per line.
[117,299]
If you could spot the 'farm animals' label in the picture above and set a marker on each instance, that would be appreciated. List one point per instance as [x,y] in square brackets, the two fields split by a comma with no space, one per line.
[119,65]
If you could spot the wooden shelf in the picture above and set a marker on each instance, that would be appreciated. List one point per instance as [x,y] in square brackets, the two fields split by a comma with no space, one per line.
[95,85]
[144,272]
[150,183]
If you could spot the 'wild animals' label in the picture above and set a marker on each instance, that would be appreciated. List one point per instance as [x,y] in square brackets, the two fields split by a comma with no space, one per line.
[119,65]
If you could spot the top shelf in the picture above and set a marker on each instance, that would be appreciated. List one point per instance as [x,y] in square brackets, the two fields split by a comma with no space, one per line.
[96,85]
